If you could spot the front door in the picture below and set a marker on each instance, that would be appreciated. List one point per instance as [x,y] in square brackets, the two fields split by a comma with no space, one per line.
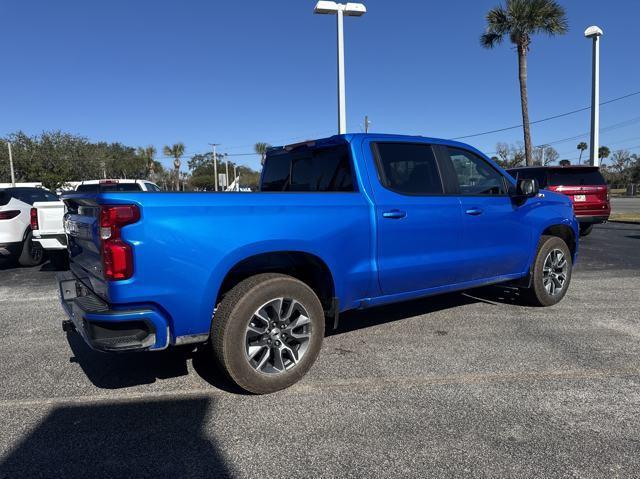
[497,236]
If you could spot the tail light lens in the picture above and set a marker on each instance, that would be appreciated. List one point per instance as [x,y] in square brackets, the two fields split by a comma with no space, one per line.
[34,219]
[117,255]
[7,215]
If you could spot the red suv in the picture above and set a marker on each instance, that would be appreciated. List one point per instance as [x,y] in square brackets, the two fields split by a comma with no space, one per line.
[585,186]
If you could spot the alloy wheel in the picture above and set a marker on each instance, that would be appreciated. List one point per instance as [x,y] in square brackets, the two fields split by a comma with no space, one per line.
[277,336]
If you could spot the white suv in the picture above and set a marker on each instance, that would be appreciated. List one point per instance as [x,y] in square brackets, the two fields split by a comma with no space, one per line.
[16,238]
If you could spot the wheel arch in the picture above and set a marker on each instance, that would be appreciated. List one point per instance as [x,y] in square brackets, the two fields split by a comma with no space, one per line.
[307,267]
[564,232]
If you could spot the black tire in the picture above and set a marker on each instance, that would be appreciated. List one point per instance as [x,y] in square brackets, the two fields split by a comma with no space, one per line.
[229,329]
[32,253]
[59,260]
[585,230]
[537,294]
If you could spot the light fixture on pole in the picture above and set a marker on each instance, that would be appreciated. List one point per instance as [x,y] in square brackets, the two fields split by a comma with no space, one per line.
[595,33]
[341,9]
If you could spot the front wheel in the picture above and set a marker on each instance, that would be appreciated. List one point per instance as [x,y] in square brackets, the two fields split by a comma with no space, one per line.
[267,332]
[585,230]
[551,272]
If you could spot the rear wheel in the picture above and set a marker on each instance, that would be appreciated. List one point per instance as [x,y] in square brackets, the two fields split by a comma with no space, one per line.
[585,229]
[551,272]
[32,253]
[267,332]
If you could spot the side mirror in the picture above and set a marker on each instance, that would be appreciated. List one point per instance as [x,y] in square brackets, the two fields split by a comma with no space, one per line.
[526,188]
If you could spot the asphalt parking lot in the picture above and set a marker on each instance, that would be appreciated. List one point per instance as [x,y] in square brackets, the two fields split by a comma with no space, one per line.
[466,384]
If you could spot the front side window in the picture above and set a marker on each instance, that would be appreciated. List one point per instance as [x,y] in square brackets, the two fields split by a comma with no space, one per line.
[475,175]
[409,168]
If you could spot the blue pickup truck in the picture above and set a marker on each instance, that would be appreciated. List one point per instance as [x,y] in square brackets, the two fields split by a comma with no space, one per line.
[352,221]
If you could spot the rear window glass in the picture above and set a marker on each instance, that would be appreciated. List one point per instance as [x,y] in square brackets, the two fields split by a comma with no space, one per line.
[409,168]
[309,169]
[27,195]
[107,187]
[575,177]
[539,174]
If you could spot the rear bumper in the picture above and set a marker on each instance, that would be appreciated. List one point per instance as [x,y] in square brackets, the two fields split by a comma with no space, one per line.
[105,328]
[51,242]
[10,249]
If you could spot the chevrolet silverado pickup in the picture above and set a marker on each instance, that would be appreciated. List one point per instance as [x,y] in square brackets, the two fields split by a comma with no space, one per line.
[347,222]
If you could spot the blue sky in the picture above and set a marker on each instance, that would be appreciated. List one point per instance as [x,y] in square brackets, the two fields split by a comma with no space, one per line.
[157,72]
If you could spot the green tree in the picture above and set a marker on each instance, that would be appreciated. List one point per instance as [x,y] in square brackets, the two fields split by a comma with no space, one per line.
[261,149]
[519,20]
[582,146]
[176,151]
[147,155]
[603,153]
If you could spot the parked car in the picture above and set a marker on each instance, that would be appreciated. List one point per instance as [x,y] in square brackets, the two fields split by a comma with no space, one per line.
[104,186]
[48,231]
[584,185]
[348,222]
[16,237]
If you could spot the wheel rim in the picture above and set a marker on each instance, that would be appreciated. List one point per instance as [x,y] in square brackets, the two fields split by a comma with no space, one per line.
[277,336]
[555,272]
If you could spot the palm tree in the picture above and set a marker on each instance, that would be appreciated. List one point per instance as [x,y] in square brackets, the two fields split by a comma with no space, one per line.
[582,146]
[519,20]
[147,154]
[603,153]
[176,151]
[261,149]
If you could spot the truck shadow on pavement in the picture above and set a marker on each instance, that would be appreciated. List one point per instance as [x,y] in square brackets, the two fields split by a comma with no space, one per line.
[151,438]
[123,370]
[361,319]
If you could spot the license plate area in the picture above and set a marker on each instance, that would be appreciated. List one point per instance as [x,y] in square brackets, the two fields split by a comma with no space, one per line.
[579,198]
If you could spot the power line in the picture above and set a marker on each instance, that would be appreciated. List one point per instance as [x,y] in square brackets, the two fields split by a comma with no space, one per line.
[554,117]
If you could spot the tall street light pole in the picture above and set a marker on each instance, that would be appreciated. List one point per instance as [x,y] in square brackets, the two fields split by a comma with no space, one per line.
[215,165]
[340,10]
[595,33]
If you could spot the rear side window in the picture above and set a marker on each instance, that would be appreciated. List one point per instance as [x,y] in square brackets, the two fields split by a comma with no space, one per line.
[152,187]
[408,168]
[4,198]
[475,175]
[309,169]
[575,177]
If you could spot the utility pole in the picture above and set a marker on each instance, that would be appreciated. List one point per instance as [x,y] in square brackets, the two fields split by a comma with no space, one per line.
[595,33]
[215,165]
[366,123]
[226,186]
[13,175]
[235,177]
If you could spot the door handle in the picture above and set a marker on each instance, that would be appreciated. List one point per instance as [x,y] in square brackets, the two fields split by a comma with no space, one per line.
[394,214]
[474,211]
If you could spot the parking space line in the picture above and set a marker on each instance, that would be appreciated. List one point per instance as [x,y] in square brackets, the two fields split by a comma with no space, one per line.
[346,384]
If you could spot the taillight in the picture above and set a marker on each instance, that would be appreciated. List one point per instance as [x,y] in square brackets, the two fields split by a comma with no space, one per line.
[117,256]
[34,219]
[7,215]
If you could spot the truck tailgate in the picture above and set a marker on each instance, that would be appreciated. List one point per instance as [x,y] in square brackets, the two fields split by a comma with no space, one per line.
[81,223]
[50,216]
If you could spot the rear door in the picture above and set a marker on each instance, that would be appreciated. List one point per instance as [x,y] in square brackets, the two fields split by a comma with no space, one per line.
[419,228]
[497,238]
